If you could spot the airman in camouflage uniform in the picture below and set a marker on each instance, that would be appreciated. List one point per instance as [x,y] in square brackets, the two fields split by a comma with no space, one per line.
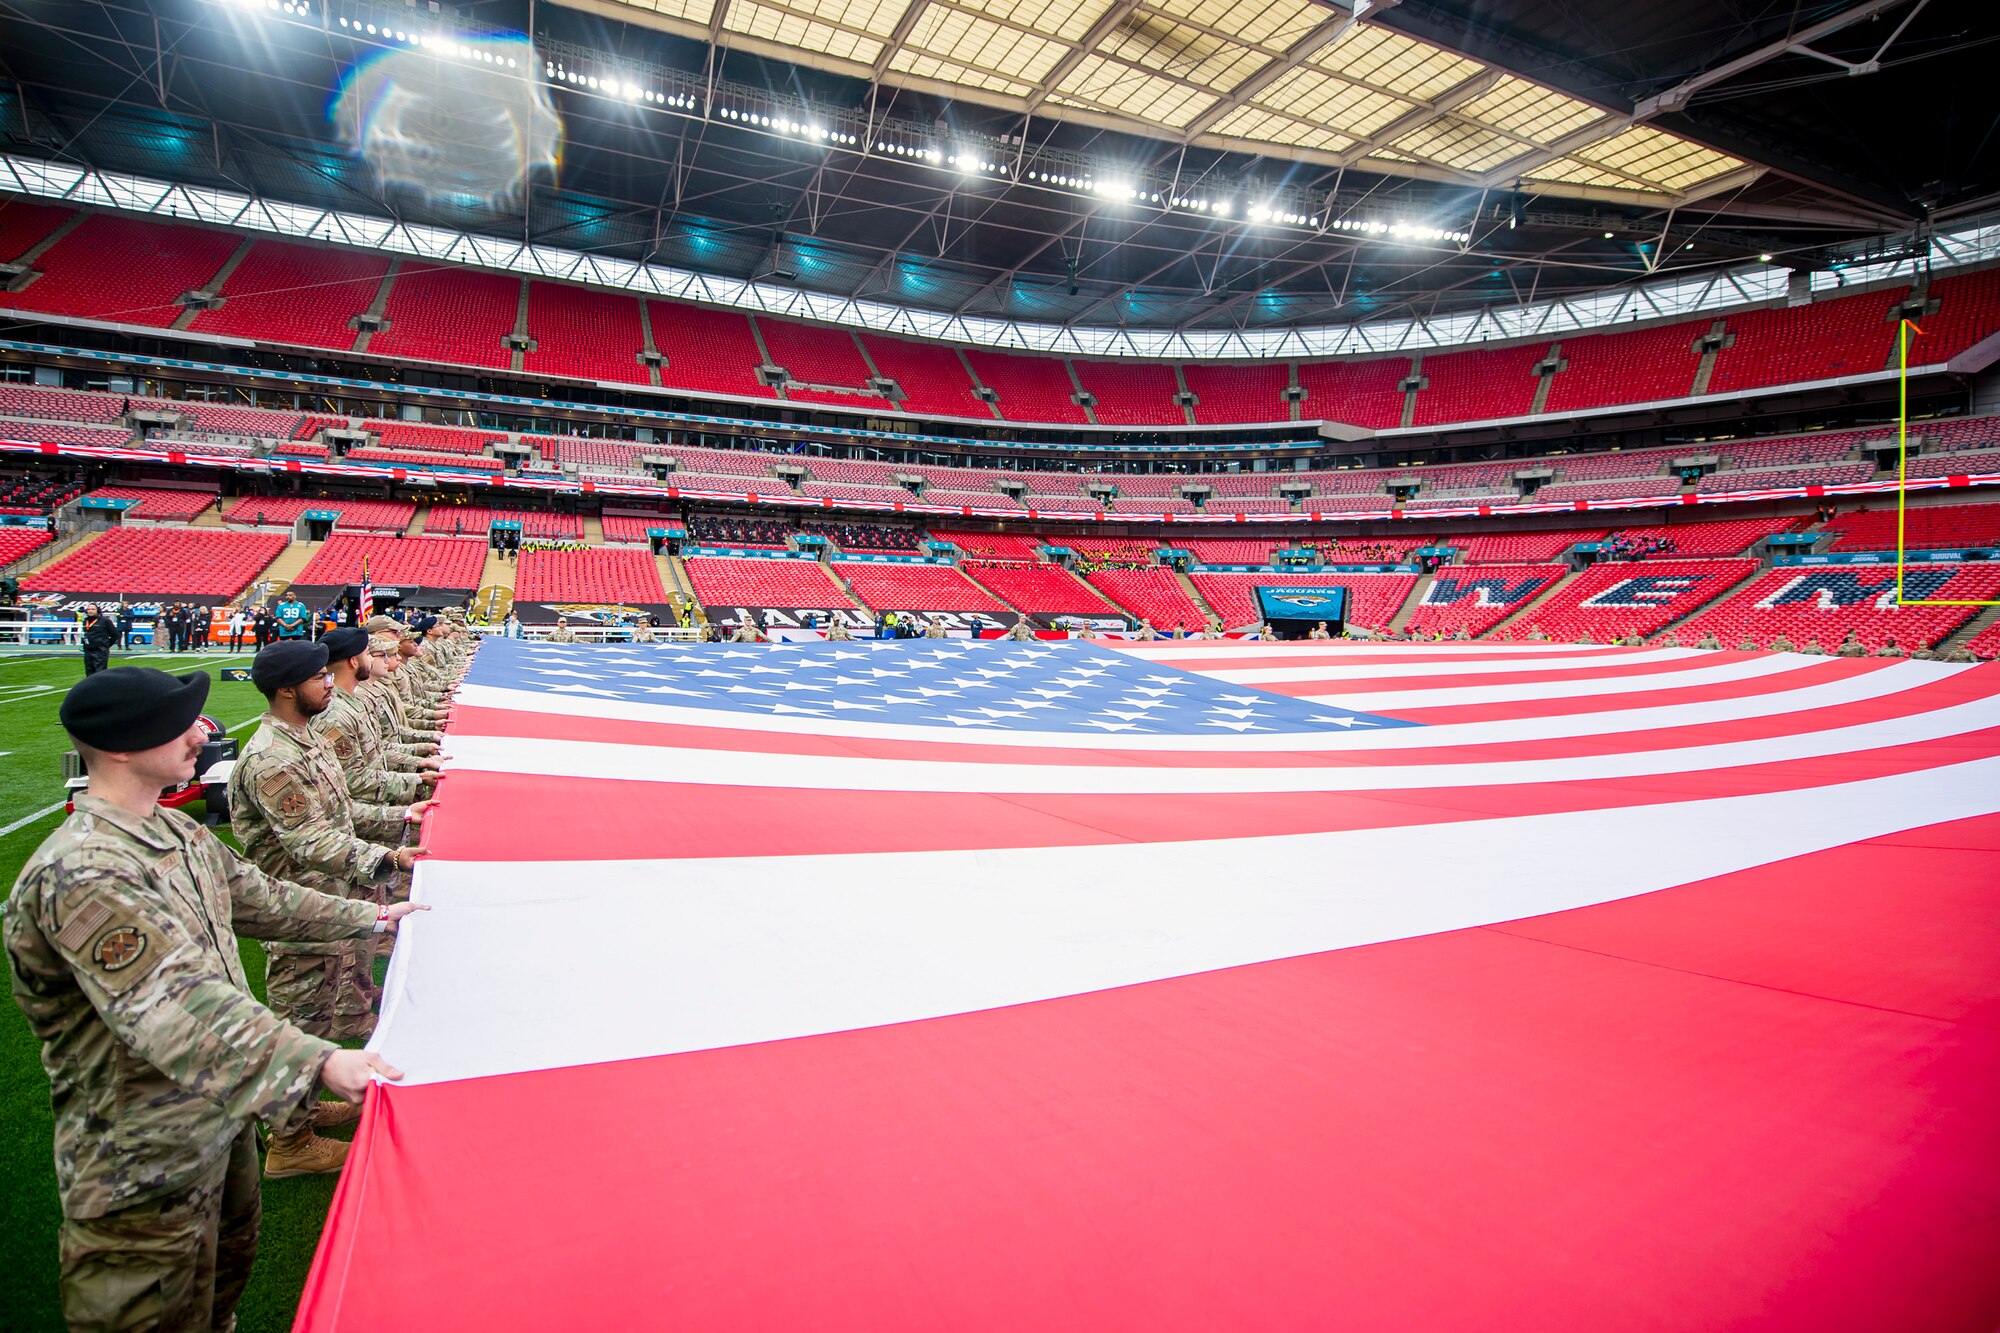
[1020,631]
[121,932]
[289,807]
[386,701]
[746,633]
[376,768]
[562,633]
[836,631]
[642,632]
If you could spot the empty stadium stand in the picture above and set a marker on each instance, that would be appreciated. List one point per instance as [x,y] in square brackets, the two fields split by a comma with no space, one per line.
[707,351]
[1826,602]
[125,270]
[1503,548]
[1608,602]
[729,530]
[1846,335]
[21,400]
[453,315]
[1478,383]
[1232,394]
[25,224]
[35,494]
[430,562]
[633,527]
[158,505]
[932,378]
[1131,393]
[1362,393]
[431,439]
[17,541]
[1985,645]
[584,333]
[1635,366]
[619,575]
[1038,589]
[869,537]
[994,547]
[1926,527]
[367,515]
[1968,312]
[814,354]
[469,520]
[411,458]
[916,588]
[1149,594]
[162,562]
[1775,478]
[1030,388]
[1475,599]
[1706,537]
[752,581]
[288,292]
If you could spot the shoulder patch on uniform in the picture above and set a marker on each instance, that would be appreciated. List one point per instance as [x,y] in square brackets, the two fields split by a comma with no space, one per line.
[119,948]
[292,804]
[79,928]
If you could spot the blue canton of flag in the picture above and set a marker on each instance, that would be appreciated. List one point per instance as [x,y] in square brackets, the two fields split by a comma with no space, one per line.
[1069,688]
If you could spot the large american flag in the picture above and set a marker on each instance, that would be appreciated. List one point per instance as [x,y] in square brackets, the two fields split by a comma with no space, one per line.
[1192,985]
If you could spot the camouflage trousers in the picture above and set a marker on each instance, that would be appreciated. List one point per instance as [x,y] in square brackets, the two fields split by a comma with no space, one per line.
[177,1264]
[326,990]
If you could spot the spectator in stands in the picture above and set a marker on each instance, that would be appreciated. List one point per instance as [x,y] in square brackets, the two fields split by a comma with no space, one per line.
[238,623]
[99,634]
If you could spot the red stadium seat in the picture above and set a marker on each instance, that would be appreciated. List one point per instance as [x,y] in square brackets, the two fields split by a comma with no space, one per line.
[161,562]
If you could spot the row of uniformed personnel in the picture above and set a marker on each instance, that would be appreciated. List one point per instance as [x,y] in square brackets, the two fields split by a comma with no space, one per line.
[122,937]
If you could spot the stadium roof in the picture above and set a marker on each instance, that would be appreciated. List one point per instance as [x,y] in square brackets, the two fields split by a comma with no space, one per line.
[1189,165]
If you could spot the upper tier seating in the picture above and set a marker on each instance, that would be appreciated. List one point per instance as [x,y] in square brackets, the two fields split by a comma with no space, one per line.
[1968,312]
[1476,599]
[228,418]
[633,527]
[966,499]
[707,351]
[16,541]
[1228,394]
[721,462]
[932,378]
[25,224]
[602,574]
[1146,504]
[1635,366]
[426,562]
[1926,528]
[748,581]
[1232,505]
[1501,548]
[1166,485]
[1031,388]
[125,270]
[43,432]
[814,354]
[210,446]
[1038,589]
[1847,335]
[454,315]
[313,423]
[1619,463]
[1825,474]
[287,292]
[411,458]
[1131,393]
[994,547]
[301,449]
[1477,384]
[1608,602]
[166,562]
[1976,462]
[1825,603]
[1361,393]
[577,449]
[833,490]
[158,505]
[366,515]
[1373,599]
[1786,450]
[585,334]
[1149,594]
[915,588]
[470,520]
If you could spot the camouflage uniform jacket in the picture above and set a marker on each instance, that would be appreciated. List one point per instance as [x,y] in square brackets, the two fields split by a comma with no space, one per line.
[122,933]
[562,634]
[289,807]
[388,709]
[416,697]
[376,769]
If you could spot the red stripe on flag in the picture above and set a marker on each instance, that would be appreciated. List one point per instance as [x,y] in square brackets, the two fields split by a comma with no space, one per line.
[1766,1098]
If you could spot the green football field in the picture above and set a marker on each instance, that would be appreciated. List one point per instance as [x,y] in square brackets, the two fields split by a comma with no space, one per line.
[31,749]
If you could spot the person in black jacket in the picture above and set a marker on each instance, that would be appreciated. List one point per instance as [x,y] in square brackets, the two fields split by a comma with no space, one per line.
[99,634]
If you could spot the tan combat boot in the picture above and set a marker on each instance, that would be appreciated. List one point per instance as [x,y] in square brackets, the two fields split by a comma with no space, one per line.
[332,1115]
[302,1154]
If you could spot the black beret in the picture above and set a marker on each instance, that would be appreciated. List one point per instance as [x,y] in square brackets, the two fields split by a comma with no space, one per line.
[127,709]
[284,664]
[424,624]
[348,641]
